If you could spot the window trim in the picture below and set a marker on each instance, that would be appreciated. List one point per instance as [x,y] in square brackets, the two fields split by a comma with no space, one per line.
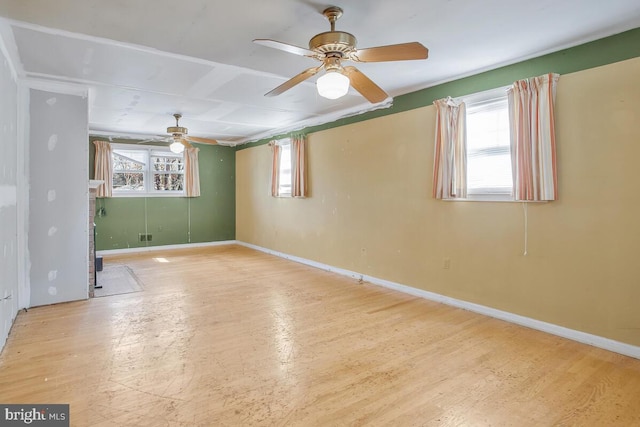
[148,172]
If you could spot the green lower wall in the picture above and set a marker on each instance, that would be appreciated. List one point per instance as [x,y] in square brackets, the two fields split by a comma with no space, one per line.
[173,220]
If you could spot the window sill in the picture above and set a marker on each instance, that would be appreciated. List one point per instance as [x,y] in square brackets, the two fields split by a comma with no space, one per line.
[489,197]
[129,195]
[492,198]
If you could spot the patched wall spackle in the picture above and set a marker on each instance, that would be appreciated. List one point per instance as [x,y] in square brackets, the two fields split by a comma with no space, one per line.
[86,60]
[58,197]
[8,196]
[53,141]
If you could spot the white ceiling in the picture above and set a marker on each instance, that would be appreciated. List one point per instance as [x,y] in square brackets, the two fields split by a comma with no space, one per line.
[144,60]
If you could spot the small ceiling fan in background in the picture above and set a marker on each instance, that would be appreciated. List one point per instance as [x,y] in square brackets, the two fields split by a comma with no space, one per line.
[331,48]
[179,137]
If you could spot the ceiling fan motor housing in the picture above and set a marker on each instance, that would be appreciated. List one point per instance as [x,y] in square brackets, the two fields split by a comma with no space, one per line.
[332,42]
[177,130]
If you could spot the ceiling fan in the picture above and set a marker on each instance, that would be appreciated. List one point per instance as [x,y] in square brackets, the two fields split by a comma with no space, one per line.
[331,48]
[180,138]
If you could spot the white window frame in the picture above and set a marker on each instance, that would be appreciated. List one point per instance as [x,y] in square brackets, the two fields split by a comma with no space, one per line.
[477,102]
[148,173]
[285,167]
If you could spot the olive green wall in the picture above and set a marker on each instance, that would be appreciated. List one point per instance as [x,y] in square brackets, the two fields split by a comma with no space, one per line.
[370,208]
[599,52]
[173,220]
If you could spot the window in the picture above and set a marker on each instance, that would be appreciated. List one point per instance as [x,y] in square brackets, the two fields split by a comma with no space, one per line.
[128,170]
[288,167]
[284,168]
[147,171]
[488,146]
[168,172]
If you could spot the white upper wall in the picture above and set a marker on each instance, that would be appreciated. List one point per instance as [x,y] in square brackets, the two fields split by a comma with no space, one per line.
[8,196]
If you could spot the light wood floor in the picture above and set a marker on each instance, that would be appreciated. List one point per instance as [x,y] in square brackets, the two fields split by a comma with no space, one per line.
[228,336]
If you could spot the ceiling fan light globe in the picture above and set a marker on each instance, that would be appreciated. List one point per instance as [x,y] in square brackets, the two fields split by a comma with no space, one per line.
[333,85]
[176,147]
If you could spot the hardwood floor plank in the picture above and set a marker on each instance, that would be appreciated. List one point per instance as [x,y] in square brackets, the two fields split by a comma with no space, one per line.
[231,336]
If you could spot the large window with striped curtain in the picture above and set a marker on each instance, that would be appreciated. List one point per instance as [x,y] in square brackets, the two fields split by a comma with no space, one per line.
[498,145]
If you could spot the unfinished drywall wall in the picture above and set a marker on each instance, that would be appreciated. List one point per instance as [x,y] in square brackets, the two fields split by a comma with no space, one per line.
[58,197]
[371,211]
[8,198]
[173,220]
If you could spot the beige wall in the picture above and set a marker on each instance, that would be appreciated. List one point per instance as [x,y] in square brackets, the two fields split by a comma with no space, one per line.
[371,211]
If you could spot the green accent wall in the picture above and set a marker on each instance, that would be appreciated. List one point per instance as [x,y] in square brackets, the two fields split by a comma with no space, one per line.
[173,220]
[608,50]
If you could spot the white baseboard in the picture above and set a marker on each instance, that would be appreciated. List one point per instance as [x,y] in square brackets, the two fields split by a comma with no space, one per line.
[582,337]
[162,248]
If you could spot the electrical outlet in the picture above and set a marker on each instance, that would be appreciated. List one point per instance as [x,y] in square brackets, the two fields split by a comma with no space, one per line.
[149,237]
[446,263]
[142,237]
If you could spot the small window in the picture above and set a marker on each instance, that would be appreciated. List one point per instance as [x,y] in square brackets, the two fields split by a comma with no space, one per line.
[129,170]
[284,171]
[488,146]
[147,171]
[168,172]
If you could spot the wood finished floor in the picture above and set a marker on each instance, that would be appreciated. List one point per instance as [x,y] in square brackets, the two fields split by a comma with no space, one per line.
[228,336]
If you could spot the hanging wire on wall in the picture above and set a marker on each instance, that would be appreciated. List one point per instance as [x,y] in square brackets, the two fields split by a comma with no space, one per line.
[525,209]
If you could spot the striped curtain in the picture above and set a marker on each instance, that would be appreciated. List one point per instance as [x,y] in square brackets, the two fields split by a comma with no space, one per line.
[450,154]
[191,172]
[533,141]
[299,172]
[103,168]
[275,168]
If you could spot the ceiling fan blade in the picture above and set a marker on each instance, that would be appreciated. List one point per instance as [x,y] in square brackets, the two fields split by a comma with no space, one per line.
[395,52]
[185,142]
[296,50]
[201,140]
[294,81]
[151,140]
[365,85]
